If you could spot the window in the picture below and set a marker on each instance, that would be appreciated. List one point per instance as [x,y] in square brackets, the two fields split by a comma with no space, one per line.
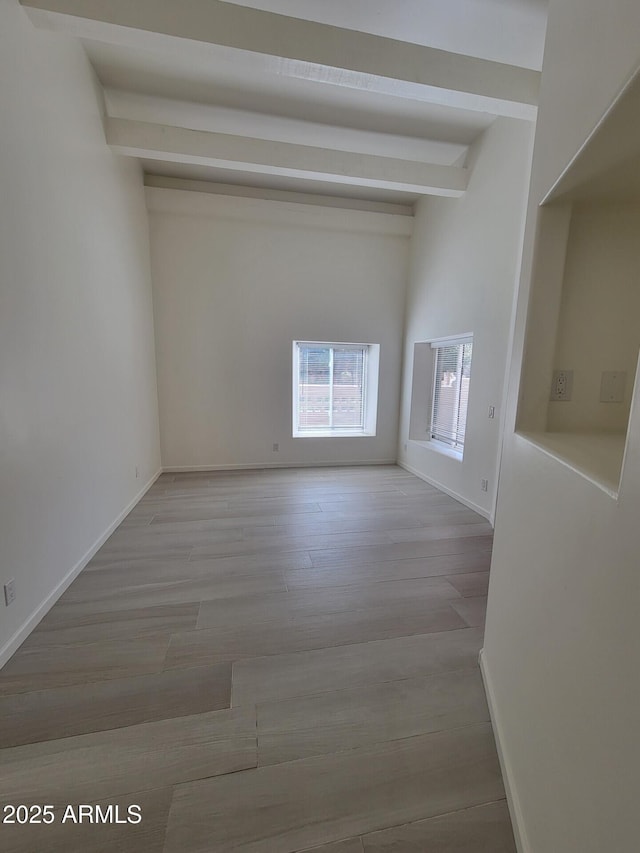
[334,388]
[452,373]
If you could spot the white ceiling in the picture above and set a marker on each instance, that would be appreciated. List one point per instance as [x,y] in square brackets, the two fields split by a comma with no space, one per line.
[510,31]
[315,107]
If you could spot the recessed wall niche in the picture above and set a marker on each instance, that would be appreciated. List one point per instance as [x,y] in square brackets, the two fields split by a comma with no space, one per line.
[583,331]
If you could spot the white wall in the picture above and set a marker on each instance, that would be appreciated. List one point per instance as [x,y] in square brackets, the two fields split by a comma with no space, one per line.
[464,267]
[598,323]
[236,281]
[78,403]
[561,654]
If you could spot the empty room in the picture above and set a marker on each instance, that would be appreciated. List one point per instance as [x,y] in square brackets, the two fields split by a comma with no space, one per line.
[319,432]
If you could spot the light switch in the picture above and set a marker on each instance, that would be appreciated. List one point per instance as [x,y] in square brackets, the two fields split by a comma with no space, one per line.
[612,386]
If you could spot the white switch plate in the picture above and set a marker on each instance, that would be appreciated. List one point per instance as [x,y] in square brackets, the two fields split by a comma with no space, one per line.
[612,386]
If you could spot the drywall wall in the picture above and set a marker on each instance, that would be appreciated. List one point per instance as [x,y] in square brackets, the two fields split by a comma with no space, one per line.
[598,321]
[78,403]
[561,652]
[464,267]
[236,281]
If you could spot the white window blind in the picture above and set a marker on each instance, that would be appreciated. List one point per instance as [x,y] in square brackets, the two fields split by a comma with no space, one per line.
[331,387]
[452,375]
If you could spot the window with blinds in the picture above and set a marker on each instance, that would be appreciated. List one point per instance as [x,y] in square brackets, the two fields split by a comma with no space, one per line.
[330,388]
[452,374]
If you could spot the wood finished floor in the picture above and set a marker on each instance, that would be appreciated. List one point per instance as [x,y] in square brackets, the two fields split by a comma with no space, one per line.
[266,662]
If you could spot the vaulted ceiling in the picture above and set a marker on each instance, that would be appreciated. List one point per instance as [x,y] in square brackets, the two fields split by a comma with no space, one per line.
[370,99]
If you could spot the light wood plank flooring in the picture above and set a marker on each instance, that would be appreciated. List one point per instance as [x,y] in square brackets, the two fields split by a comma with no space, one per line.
[265,662]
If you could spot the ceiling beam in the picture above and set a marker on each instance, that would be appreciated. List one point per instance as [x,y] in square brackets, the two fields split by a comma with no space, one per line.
[299,48]
[221,150]
[149,108]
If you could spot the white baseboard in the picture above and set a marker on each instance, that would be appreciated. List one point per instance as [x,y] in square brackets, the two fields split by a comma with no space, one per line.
[485,513]
[256,466]
[513,801]
[27,627]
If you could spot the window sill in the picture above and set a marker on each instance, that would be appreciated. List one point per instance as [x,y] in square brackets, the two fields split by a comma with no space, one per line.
[440,447]
[334,433]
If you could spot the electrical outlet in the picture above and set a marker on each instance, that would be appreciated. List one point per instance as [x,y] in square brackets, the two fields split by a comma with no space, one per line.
[10,592]
[492,411]
[562,386]
[276,447]
[484,485]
